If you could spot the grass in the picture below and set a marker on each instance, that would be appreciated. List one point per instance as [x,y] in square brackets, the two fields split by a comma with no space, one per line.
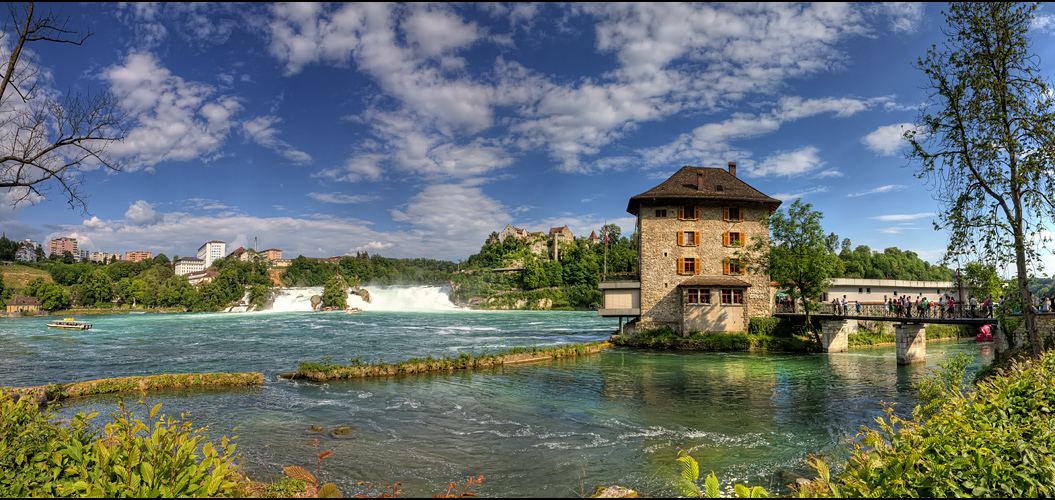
[17,276]
[665,338]
[135,384]
[325,369]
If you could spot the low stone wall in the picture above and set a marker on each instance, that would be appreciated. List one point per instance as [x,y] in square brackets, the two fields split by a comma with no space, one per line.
[134,384]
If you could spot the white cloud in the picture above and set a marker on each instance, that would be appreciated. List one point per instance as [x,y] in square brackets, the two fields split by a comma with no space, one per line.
[888,139]
[881,189]
[177,120]
[342,198]
[141,213]
[788,163]
[262,131]
[897,217]
[373,246]
[905,17]
[800,194]
[448,216]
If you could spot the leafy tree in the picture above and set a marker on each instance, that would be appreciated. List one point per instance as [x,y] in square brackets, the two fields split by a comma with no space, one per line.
[7,248]
[335,293]
[97,288]
[67,258]
[982,280]
[614,232]
[832,242]
[986,139]
[533,276]
[796,256]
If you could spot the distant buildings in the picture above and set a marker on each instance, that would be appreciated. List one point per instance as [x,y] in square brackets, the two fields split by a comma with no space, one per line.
[189,265]
[104,257]
[62,245]
[273,254]
[138,256]
[240,254]
[20,303]
[211,251]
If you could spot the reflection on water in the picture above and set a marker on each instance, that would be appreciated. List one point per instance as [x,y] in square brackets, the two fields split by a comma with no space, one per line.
[555,428]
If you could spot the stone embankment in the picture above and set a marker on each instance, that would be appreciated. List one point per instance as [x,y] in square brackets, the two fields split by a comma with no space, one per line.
[43,393]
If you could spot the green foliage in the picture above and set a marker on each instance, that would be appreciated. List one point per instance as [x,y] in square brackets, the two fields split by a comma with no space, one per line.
[993,441]
[97,288]
[770,327]
[891,263]
[335,293]
[128,458]
[665,338]
[287,487]
[690,473]
[985,139]
[982,279]
[797,256]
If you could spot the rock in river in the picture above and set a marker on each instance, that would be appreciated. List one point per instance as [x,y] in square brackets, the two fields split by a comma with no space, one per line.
[342,433]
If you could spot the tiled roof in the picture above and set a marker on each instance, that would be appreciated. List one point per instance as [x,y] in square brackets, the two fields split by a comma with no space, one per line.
[715,281]
[23,301]
[683,185]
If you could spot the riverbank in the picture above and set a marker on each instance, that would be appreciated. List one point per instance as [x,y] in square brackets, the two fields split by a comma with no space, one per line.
[324,371]
[53,392]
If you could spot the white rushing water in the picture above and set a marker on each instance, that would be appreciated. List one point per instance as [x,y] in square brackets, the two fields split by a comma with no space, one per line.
[382,298]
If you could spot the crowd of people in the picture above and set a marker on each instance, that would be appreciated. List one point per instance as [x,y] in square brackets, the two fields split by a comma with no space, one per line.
[945,307]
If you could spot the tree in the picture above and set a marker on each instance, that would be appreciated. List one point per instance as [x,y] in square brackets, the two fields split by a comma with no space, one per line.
[796,256]
[832,242]
[45,139]
[982,280]
[613,231]
[335,293]
[986,140]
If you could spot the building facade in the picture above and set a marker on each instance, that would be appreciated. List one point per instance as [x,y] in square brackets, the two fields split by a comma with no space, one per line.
[873,291]
[19,304]
[273,254]
[138,256]
[211,251]
[690,229]
[62,245]
[188,265]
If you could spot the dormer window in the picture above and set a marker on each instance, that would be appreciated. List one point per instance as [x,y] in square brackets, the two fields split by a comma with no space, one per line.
[719,188]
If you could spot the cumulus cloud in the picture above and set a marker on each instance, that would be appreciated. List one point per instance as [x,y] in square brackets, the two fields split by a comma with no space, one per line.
[142,213]
[262,131]
[888,139]
[177,120]
[788,163]
[800,194]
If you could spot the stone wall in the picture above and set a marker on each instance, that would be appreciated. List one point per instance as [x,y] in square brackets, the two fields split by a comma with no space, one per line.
[659,253]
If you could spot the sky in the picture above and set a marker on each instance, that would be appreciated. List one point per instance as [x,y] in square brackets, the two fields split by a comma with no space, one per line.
[417,130]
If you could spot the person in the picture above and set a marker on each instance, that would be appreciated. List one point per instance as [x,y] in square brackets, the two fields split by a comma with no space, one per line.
[989,306]
[858,307]
[952,307]
[845,310]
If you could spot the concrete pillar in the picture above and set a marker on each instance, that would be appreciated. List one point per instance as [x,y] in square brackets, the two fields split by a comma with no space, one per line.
[911,343]
[835,334]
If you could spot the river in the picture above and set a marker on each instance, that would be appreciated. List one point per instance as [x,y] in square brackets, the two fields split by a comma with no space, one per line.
[553,428]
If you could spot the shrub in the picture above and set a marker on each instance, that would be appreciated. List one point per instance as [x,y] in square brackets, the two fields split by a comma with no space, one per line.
[129,458]
[995,440]
[772,327]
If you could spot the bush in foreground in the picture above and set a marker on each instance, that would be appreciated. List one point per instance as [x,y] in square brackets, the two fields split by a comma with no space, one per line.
[129,458]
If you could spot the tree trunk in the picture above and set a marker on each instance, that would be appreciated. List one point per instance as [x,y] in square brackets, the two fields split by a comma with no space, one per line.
[1027,303]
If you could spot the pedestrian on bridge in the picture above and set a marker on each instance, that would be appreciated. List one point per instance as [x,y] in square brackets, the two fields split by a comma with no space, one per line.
[952,307]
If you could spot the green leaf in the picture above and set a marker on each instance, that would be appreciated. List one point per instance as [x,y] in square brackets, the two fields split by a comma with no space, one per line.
[741,491]
[711,486]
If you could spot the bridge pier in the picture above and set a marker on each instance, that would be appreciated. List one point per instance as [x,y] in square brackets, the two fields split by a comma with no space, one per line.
[835,334]
[911,339]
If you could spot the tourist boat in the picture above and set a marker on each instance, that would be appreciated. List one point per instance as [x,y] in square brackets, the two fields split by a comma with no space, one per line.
[353,310]
[69,324]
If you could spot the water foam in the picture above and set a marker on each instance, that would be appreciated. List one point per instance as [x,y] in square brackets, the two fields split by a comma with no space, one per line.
[382,298]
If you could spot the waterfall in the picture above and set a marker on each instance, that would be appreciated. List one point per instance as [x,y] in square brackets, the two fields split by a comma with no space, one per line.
[382,298]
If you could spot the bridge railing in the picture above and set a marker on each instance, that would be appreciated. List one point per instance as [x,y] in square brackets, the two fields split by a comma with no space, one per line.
[881,310]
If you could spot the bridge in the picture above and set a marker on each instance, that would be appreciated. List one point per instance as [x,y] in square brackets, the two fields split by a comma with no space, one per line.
[910,333]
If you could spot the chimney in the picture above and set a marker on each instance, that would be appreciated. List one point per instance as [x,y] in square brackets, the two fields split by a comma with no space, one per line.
[699,180]
[732,168]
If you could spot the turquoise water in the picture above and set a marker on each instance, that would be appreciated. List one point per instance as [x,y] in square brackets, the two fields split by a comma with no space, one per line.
[554,428]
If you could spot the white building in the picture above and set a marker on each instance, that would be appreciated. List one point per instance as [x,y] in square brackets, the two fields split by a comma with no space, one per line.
[878,291]
[188,265]
[211,251]
[26,253]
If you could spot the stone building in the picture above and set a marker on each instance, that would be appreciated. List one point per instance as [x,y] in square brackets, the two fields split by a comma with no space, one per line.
[690,228]
[20,304]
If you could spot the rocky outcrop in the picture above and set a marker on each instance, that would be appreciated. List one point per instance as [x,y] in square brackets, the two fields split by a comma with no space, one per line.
[316,301]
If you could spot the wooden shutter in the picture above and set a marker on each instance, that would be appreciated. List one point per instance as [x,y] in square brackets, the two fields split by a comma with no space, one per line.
[725,238]
[743,268]
[697,266]
[696,213]
[741,214]
[725,266]
[681,266]
[681,237]
[725,213]
[743,239]
[681,212]
[696,241]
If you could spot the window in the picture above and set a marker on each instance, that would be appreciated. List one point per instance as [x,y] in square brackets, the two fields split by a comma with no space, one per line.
[734,239]
[859,290]
[732,296]
[688,212]
[688,238]
[661,213]
[734,214]
[698,296]
[733,266]
[688,266]
[719,188]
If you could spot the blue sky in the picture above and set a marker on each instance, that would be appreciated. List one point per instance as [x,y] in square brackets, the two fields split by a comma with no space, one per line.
[416,130]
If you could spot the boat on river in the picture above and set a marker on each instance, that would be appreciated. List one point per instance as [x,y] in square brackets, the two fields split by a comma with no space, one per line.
[69,324]
[353,310]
